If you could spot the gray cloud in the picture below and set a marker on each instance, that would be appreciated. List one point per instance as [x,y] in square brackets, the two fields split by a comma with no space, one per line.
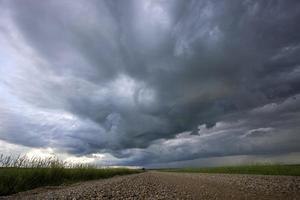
[128,78]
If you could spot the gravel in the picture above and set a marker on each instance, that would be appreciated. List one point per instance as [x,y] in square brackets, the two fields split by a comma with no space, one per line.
[164,185]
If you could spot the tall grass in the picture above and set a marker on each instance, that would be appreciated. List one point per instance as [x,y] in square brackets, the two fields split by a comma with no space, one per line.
[22,173]
[264,169]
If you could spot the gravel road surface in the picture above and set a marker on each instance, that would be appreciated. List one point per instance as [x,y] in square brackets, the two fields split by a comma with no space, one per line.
[164,185]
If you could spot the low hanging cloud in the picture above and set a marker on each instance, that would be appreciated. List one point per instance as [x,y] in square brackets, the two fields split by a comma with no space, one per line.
[151,81]
[256,132]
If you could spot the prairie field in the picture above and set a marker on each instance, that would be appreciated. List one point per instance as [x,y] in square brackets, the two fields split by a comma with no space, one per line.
[18,174]
[21,173]
[259,169]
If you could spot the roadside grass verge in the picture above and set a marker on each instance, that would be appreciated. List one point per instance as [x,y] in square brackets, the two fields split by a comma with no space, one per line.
[276,169]
[20,174]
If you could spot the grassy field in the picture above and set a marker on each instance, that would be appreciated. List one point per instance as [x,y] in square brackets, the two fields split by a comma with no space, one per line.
[289,170]
[20,174]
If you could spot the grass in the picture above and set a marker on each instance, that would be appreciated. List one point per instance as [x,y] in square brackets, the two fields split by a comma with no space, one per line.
[272,169]
[21,173]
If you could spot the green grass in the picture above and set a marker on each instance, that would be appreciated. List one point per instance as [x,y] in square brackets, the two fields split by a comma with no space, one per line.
[33,173]
[289,170]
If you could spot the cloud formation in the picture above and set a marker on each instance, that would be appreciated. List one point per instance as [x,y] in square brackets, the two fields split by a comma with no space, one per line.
[151,81]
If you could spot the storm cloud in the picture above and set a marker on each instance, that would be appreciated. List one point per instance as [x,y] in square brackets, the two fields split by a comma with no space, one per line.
[151,81]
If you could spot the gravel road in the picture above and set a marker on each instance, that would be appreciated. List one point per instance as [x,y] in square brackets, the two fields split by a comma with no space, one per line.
[163,185]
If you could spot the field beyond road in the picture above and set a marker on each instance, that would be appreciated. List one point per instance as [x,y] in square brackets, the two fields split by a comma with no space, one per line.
[267,169]
[171,185]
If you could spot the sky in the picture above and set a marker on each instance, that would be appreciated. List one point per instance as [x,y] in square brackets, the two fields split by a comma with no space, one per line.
[151,82]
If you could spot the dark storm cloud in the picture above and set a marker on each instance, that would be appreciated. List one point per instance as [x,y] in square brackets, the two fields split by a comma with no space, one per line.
[268,130]
[129,76]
